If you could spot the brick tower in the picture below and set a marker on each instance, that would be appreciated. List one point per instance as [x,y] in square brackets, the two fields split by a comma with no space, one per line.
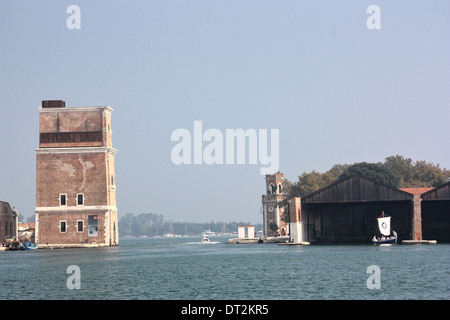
[271,211]
[75,179]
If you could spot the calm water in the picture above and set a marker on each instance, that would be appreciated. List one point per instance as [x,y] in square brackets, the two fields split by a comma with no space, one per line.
[183,268]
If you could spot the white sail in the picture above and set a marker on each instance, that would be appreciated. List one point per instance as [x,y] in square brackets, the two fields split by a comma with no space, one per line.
[384,224]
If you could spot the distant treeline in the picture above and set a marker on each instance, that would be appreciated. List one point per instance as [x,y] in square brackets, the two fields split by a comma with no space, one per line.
[152,224]
[395,171]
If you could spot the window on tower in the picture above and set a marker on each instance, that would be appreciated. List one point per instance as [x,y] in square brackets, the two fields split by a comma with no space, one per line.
[80,199]
[80,225]
[63,226]
[63,199]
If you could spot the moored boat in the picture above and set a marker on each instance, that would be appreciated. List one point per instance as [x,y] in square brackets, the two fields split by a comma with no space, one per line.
[384,226]
[15,246]
[30,246]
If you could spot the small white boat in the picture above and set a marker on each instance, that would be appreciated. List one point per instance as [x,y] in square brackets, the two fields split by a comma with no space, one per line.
[205,239]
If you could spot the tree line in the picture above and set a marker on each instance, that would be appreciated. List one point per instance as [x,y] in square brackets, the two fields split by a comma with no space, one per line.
[395,171]
[153,225]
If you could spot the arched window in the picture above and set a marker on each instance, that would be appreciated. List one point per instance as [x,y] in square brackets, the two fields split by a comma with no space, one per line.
[272,188]
[279,188]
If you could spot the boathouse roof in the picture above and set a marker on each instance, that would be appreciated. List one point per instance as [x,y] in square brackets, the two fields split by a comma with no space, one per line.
[356,189]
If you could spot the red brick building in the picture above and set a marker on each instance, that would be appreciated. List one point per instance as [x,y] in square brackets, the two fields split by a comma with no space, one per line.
[8,222]
[75,179]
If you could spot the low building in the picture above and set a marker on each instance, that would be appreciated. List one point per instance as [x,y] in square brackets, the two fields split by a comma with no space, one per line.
[8,222]
[246,231]
[246,234]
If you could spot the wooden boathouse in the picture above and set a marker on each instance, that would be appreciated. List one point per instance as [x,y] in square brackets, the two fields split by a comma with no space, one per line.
[436,213]
[346,211]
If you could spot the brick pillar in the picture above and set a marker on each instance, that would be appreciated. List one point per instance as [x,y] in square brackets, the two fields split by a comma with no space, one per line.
[296,224]
[295,210]
[417,218]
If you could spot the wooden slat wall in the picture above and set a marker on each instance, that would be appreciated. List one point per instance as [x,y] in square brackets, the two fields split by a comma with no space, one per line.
[356,189]
[439,193]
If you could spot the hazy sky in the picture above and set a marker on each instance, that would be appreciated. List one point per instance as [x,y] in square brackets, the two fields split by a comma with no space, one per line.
[337,91]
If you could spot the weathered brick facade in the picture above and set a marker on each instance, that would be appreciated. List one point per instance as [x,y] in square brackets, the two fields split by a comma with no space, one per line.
[75,178]
[8,221]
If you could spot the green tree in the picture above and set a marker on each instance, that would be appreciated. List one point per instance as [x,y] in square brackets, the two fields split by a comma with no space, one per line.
[428,175]
[374,171]
[338,169]
[401,169]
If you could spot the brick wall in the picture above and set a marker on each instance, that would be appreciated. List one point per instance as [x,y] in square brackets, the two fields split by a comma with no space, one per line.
[50,227]
[71,174]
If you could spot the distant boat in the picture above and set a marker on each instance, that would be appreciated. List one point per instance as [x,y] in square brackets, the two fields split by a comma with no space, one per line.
[205,239]
[384,226]
[208,233]
[171,234]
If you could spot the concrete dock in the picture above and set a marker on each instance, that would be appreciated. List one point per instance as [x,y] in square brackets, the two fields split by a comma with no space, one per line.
[295,244]
[259,240]
[243,240]
[419,242]
[70,245]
